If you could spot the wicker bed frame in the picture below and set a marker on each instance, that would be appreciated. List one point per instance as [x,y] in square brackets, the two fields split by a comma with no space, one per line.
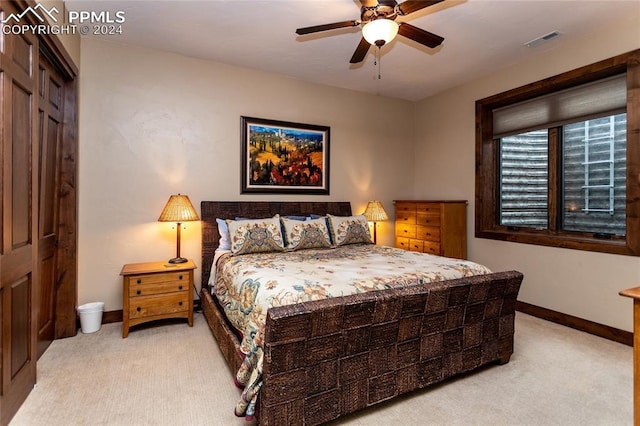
[365,348]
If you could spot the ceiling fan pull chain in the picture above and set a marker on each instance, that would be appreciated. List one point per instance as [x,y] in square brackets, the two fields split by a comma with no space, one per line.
[379,60]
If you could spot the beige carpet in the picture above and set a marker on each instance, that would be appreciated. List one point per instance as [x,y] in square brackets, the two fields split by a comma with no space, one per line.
[174,375]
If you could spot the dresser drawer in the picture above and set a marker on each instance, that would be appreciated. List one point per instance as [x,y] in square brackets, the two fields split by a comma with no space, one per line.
[428,208]
[136,290]
[428,219]
[431,248]
[402,243]
[147,306]
[404,230]
[405,207]
[406,218]
[428,233]
[416,245]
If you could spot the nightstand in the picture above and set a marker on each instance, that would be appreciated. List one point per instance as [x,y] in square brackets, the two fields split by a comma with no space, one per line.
[156,290]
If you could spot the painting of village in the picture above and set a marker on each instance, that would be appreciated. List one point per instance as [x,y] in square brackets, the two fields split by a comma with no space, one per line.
[284,157]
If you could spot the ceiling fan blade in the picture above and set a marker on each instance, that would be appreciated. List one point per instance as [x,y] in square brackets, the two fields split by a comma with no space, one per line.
[361,52]
[325,27]
[419,35]
[369,3]
[411,6]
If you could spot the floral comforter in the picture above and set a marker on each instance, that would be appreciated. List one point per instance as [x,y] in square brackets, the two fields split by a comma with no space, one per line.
[248,285]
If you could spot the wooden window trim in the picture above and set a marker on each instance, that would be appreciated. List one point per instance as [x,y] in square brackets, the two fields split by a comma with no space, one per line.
[487,174]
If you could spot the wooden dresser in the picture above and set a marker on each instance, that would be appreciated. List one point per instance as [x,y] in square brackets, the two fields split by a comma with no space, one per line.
[156,290]
[436,227]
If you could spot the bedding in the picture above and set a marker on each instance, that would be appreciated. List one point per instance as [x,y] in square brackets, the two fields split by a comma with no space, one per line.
[248,285]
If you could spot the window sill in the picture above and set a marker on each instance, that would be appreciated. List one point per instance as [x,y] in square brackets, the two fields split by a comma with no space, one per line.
[544,238]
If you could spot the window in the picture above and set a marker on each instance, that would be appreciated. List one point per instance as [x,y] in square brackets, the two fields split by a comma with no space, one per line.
[556,160]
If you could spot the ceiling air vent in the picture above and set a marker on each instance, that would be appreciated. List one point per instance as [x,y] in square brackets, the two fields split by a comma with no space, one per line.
[542,39]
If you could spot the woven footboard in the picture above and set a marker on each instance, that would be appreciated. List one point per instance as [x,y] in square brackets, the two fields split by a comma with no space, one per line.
[328,358]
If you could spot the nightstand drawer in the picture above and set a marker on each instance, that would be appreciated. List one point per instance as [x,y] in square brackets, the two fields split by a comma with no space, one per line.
[148,306]
[159,278]
[160,288]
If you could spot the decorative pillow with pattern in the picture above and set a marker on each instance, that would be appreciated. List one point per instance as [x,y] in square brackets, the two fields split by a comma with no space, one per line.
[306,234]
[349,230]
[255,235]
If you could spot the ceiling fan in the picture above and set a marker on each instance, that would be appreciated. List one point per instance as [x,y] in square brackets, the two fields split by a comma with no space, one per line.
[379,27]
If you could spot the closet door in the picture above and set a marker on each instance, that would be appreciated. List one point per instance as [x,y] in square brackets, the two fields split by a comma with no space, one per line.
[18,248]
[50,116]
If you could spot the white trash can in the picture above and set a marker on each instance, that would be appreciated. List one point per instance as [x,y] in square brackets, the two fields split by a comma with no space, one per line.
[90,316]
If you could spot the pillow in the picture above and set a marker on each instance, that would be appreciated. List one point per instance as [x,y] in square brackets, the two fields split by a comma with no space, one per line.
[225,241]
[349,230]
[302,218]
[255,235]
[326,221]
[306,234]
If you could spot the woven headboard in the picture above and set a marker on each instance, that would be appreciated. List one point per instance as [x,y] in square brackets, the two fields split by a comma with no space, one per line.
[210,210]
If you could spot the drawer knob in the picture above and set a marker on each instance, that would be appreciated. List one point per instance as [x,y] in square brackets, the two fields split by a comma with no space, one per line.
[139,281]
[180,277]
[138,292]
[138,309]
[179,303]
[179,287]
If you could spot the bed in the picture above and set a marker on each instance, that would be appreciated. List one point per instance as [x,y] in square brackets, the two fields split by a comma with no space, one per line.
[327,358]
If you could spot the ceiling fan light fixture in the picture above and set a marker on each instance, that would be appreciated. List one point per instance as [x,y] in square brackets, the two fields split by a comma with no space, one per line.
[380,31]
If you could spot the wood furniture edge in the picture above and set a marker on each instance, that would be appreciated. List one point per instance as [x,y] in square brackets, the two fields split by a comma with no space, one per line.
[634,293]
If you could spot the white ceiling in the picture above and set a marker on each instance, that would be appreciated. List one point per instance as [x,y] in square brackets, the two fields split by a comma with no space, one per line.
[481,36]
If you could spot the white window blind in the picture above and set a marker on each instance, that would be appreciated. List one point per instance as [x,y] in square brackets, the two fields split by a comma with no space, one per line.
[596,99]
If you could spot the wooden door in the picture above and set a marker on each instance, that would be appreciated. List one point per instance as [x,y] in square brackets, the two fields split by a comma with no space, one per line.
[18,205]
[50,115]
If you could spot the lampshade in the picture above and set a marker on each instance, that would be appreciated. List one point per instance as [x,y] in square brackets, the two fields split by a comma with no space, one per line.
[178,209]
[380,31]
[375,212]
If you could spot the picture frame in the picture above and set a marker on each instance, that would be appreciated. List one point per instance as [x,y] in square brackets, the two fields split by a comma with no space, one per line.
[281,157]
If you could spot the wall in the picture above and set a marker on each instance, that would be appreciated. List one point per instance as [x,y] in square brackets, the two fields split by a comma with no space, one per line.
[578,283]
[154,124]
[71,42]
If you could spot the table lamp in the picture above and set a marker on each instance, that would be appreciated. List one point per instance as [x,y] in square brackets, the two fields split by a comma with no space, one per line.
[178,209]
[375,213]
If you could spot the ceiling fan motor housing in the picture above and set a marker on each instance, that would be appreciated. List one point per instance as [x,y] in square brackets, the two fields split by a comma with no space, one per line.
[381,11]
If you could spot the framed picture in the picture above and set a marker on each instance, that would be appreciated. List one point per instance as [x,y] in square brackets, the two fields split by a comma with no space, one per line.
[284,158]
